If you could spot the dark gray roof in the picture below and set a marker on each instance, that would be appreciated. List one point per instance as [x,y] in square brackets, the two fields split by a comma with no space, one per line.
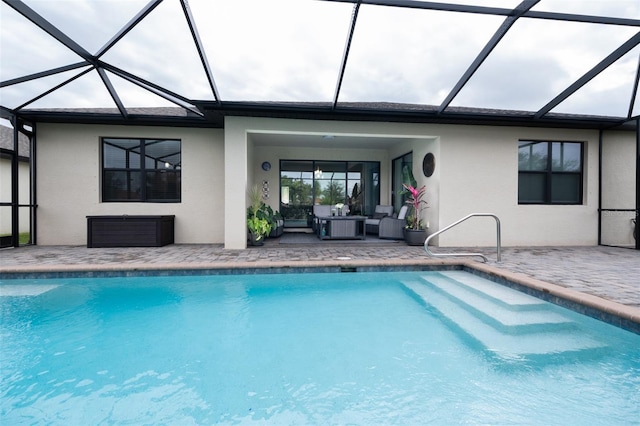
[149,111]
[214,113]
[6,141]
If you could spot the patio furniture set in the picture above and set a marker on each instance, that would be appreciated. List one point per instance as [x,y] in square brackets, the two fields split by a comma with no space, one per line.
[384,223]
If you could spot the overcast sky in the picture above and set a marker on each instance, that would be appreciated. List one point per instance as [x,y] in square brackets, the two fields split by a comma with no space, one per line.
[291,50]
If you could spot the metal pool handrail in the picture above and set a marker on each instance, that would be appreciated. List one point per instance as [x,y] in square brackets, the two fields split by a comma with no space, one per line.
[484,258]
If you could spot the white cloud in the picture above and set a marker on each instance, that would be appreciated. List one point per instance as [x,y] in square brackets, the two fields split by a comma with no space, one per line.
[412,56]
[25,49]
[91,23]
[612,8]
[537,60]
[520,82]
[608,93]
[276,50]
[161,50]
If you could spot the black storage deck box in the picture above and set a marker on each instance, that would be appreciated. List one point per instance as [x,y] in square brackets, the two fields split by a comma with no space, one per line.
[130,231]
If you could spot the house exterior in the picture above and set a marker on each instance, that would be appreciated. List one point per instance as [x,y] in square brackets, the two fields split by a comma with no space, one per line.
[530,113]
[477,170]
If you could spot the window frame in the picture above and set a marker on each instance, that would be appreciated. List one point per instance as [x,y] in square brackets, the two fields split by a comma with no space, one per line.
[141,171]
[548,173]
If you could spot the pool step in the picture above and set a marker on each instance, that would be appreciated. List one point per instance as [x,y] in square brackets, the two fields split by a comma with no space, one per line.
[22,290]
[500,319]
[504,308]
[496,291]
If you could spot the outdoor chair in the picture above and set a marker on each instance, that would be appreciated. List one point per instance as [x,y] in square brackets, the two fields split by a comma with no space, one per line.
[373,222]
[319,210]
[392,228]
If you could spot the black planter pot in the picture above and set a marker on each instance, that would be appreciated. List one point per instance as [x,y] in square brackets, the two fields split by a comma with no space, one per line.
[278,230]
[254,241]
[415,237]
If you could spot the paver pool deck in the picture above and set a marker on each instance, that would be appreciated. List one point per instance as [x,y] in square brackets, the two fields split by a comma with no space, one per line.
[607,278]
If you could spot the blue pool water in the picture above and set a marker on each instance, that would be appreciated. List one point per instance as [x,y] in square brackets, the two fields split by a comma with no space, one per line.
[406,348]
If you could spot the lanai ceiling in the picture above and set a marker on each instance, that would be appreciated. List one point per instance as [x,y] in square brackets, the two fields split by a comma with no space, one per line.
[548,62]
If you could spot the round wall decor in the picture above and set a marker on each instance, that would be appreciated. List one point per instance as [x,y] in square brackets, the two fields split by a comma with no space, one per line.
[428,164]
[266,166]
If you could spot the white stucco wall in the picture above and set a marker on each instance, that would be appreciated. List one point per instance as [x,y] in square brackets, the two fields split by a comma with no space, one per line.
[480,174]
[69,182]
[618,187]
[476,171]
[420,147]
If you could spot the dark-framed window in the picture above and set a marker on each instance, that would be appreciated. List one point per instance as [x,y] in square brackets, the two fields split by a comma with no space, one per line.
[141,170]
[550,172]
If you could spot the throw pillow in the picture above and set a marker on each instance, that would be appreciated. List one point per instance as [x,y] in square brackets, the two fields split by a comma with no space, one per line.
[379,215]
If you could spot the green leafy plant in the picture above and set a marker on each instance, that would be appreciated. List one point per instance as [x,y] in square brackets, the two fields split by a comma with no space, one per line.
[259,221]
[407,177]
[260,228]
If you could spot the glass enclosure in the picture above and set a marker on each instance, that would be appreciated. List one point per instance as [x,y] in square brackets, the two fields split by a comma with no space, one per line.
[543,50]
[17,206]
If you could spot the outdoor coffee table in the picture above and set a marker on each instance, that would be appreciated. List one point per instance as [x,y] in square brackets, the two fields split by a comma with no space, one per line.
[341,227]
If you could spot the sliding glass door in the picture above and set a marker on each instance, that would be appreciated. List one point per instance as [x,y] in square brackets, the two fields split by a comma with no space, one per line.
[304,183]
[397,196]
[363,187]
[296,192]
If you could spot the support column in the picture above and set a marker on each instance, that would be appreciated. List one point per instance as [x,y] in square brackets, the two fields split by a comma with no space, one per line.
[235,184]
[15,188]
[600,149]
[637,233]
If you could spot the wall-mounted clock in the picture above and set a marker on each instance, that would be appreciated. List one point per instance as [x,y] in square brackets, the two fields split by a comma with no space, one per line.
[266,166]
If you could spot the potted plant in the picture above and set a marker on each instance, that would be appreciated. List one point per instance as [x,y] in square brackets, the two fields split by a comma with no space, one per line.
[354,202]
[258,225]
[277,222]
[414,233]
[258,230]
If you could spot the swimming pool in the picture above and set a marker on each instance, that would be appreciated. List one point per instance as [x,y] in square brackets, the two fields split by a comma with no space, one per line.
[316,348]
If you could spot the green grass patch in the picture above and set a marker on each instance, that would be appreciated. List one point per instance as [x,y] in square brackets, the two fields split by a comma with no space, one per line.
[24,238]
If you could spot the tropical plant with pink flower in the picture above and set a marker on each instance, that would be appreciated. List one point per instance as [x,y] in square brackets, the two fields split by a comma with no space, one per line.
[415,200]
